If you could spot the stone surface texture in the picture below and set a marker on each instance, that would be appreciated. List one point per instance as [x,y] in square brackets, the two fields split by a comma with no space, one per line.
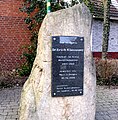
[36,101]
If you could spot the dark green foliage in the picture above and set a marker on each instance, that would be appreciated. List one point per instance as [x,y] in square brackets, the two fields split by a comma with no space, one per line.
[29,55]
[89,4]
[27,65]
[36,11]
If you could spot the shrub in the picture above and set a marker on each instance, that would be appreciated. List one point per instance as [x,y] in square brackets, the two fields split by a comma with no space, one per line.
[107,71]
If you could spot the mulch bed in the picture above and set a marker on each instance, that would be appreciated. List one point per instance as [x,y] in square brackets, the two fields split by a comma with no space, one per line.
[6,82]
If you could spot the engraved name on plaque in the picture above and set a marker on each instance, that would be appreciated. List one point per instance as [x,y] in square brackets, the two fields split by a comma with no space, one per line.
[67,66]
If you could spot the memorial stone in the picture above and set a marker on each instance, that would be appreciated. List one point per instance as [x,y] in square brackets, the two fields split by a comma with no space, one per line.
[42,98]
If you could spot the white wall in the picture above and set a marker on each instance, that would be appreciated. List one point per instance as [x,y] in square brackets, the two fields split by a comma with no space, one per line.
[97,36]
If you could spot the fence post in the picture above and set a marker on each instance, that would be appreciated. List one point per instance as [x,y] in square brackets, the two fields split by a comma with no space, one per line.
[48,6]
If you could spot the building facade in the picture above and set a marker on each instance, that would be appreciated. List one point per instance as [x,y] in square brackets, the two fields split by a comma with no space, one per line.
[13,34]
[97,29]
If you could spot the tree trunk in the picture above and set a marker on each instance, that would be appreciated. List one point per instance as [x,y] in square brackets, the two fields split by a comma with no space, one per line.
[106,28]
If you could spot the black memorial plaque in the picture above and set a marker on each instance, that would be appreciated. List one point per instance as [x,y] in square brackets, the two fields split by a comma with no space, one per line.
[67,66]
